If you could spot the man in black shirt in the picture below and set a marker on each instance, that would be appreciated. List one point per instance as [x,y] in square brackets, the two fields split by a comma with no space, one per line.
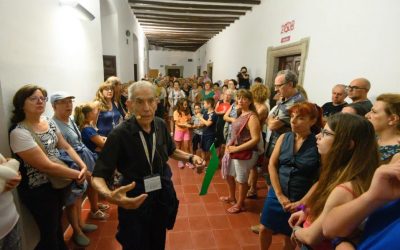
[339,93]
[358,91]
[139,149]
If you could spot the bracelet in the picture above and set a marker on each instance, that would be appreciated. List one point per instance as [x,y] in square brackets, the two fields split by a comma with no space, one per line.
[191,158]
[301,207]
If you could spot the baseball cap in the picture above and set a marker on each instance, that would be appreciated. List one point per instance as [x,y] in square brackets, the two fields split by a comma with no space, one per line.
[59,96]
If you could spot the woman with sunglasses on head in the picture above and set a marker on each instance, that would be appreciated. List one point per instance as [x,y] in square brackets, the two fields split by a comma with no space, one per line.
[35,139]
[109,115]
[349,159]
[293,167]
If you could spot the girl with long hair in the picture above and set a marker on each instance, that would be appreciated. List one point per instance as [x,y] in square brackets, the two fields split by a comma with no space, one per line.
[349,159]
[182,118]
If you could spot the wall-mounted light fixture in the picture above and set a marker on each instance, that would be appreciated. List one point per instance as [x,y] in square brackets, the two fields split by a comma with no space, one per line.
[78,8]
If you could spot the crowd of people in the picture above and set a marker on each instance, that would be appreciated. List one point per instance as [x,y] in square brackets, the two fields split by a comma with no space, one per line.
[324,165]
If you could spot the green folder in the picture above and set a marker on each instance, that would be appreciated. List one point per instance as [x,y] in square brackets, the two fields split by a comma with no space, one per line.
[211,168]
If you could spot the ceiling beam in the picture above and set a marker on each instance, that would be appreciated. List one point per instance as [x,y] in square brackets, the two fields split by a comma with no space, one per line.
[188,25]
[209,12]
[185,17]
[163,20]
[142,3]
[222,1]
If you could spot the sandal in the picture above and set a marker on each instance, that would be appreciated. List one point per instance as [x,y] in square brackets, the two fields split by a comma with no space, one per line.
[102,206]
[251,195]
[227,200]
[235,209]
[99,215]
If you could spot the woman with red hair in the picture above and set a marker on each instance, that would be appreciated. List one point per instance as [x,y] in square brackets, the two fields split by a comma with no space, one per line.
[293,167]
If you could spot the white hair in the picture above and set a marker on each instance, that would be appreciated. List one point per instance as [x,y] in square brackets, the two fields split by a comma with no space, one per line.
[138,85]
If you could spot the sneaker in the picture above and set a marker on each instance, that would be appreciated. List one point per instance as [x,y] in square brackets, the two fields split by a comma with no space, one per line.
[99,215]
[81,240]
[190,165]
[180,164]
[88,228]
[255,229]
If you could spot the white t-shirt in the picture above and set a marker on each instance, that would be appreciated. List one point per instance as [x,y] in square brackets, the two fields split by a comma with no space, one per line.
[8,213]
[22,140]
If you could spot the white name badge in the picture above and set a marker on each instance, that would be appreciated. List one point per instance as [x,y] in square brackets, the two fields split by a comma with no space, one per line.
[152,183]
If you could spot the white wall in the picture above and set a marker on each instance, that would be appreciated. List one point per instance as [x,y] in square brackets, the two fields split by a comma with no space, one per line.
[41,43]
[159,59]
[117,18]
[348,39]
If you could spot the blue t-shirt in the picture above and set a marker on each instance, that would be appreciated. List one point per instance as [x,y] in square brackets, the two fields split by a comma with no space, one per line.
[210,130]
[382,230]
[88,133]
[108,120]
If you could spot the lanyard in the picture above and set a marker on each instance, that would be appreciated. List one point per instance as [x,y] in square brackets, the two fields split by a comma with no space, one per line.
[146,149]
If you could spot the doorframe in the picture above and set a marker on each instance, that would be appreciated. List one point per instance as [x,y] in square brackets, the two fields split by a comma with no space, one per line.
[174,67]
[273,54]
[210,66]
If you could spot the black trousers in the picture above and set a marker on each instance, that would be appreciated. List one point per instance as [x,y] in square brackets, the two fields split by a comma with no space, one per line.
[138,232]
[45,205]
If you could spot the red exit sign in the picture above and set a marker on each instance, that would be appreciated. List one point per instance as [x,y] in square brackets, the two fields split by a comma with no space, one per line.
[287,27]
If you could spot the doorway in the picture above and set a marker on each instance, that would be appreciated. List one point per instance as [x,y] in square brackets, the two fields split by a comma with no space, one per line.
[291,56]
[176,71]
[109,66]
[210,70]
[198,71]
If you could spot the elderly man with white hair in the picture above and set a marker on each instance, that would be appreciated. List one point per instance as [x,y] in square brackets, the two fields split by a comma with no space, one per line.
[139,148]
[339,93]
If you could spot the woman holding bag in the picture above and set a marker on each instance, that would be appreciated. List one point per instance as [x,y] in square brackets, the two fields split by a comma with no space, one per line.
[36,192]
[241,151]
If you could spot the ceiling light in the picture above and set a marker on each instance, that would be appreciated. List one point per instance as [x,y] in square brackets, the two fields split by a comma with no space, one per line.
[78,8]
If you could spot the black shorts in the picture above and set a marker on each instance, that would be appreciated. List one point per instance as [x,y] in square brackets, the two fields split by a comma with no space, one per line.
[196,140]
[207,141]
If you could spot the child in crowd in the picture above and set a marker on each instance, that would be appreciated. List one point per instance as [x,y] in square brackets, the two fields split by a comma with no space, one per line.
[182,118]
[85,117]
[197,128]
[209,120]
[175,94]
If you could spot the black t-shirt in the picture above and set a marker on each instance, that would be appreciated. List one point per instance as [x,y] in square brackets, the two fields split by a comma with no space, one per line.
[212,129]
[124,151]
[330,109]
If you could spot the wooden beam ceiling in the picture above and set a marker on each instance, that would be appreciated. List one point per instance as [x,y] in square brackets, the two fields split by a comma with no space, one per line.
[187,24]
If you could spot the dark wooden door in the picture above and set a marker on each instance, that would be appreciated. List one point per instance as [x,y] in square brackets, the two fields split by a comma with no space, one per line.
[174,72]
[135,72]
[110,66]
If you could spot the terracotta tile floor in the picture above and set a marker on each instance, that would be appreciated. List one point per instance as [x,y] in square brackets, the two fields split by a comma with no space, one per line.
[202,222]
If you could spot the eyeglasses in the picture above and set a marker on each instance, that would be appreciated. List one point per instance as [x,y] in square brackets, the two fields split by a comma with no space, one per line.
[277,86]
[37,98]
[354,88]
[325,132]
[108,89]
